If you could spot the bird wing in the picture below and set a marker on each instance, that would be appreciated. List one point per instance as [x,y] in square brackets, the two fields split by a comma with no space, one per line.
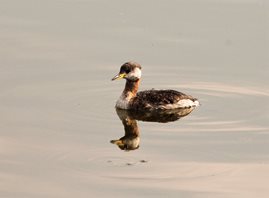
[159,97]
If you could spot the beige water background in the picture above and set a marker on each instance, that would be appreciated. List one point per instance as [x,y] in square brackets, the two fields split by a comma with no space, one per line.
[57,101]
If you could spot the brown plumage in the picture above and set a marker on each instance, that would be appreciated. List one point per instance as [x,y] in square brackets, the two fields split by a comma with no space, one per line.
[157,99]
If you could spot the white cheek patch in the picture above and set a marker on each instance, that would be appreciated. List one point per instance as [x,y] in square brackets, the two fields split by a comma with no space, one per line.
[136,74]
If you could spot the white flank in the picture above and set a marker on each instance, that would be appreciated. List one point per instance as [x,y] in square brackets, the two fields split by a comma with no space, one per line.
[185,103]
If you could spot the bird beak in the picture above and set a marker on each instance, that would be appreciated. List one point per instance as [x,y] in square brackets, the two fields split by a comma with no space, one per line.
[117,142]
[119,76]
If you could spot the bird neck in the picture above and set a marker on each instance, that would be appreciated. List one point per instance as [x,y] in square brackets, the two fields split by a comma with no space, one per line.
[130,127]
[131,88]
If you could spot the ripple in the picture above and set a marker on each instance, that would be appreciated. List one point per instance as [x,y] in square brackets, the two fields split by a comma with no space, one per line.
[118,161]
[209,125]
[219,89]
[178,171]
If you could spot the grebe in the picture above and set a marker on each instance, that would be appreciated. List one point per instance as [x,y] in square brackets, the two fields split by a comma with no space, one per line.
[149,99]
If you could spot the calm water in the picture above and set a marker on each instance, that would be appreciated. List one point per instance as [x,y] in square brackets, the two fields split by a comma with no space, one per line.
[57,101]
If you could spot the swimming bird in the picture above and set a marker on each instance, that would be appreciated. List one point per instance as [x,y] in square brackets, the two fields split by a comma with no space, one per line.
[131,99]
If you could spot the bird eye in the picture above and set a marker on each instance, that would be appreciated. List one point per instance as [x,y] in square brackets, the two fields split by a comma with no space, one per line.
[127,71]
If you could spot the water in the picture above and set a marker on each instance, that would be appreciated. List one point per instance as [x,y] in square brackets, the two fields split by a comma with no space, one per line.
[57,100]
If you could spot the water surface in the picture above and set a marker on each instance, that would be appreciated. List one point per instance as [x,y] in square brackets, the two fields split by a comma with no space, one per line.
[57,100]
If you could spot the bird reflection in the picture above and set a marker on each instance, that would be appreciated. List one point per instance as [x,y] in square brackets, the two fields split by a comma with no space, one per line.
[131,139]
